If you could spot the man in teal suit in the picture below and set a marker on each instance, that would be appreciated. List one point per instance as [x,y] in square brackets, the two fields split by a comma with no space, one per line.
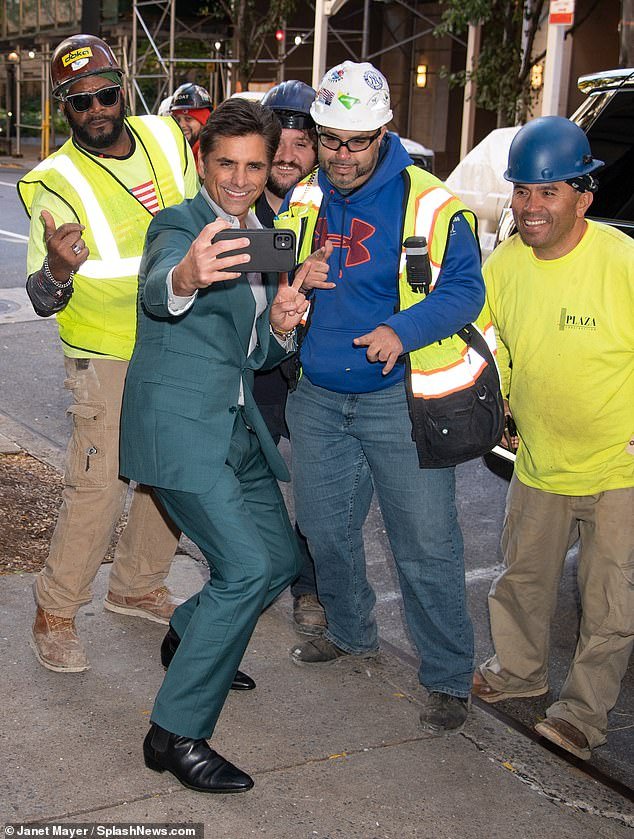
[191,429]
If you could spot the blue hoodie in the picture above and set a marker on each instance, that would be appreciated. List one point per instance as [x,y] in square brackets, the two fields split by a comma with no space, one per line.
[365,227]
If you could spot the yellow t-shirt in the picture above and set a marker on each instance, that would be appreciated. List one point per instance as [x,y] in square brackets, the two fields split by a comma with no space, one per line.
[567,327]
[135,173]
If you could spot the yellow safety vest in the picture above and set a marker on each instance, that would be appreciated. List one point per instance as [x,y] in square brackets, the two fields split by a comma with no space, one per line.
[442,367]
[101,315]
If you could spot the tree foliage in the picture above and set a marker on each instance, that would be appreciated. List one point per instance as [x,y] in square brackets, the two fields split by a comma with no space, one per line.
[251,21]
[502,73]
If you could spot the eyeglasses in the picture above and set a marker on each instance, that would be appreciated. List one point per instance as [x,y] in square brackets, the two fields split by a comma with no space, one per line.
[354,144]
[106,96]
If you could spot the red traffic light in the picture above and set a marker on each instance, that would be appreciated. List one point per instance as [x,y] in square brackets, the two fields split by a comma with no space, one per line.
[279,34]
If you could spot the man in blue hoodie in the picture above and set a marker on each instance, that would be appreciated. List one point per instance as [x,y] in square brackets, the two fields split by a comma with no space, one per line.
[367,359]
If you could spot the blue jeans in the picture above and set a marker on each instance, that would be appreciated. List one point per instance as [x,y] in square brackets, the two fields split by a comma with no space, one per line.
[344,447]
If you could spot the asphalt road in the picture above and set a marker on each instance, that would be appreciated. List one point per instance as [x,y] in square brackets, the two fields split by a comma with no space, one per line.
[32,399]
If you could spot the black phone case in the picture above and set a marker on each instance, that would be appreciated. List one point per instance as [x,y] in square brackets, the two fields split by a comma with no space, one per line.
[266,255]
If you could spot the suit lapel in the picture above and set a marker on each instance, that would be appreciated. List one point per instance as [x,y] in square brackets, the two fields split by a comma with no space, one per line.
[239,297]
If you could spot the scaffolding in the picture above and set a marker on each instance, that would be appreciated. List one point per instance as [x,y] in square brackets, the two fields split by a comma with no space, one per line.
[151,48]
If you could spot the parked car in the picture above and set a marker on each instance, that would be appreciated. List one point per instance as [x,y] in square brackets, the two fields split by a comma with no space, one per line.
[421,155]
[607,117]
[478,180]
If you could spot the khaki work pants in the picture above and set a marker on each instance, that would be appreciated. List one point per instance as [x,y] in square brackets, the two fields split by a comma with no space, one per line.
[93,501]
[539,528]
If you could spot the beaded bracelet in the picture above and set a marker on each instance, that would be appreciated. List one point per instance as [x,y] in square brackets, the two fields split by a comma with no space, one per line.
[51,278]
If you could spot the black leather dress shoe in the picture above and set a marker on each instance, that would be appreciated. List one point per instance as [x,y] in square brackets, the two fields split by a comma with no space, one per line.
[192,763]
[169,646]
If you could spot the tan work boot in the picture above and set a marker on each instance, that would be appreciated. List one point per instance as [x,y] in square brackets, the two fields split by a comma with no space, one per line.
[157,605]
[309,615]
[566,736]
[56,644]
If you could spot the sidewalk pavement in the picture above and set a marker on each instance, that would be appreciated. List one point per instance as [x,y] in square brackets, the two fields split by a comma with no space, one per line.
[30,157]
[336,753]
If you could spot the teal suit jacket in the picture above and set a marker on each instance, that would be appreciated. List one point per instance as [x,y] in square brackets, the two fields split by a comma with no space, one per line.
[183,382]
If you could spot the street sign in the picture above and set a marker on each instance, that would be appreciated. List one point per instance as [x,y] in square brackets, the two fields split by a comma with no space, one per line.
[561,12]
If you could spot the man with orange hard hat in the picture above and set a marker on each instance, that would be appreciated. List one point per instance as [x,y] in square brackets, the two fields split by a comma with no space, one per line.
[90,204]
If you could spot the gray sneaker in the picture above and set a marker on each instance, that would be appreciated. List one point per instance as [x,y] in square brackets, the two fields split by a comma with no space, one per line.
[444,714]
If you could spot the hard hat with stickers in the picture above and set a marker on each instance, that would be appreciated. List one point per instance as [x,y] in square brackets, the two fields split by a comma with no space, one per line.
[80,56]
[352,97]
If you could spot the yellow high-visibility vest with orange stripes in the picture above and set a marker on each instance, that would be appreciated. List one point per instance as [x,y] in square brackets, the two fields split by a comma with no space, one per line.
[445,366]
[101,315]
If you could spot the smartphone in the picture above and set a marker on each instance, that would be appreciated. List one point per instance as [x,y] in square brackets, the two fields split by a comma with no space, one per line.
[270,250]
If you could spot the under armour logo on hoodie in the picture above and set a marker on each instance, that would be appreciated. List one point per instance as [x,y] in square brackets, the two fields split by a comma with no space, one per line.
[360,231]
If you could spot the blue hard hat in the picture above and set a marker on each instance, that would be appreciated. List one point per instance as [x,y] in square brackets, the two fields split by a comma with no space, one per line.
[291,101]
[549,149]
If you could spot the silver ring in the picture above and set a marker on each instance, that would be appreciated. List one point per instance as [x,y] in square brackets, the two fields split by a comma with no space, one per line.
[76,248]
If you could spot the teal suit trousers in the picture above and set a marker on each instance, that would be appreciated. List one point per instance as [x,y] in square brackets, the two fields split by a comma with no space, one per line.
[241,526]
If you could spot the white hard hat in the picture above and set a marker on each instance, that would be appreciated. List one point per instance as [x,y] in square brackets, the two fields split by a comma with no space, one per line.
[352,97]
[164,107]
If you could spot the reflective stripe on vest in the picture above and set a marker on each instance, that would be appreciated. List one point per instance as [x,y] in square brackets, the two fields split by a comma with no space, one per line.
[168,144]
[111,269]
[114,266]
[95,216]
[446,366]
[442,367]
[461,374]
[428,205]
[101,315]
[307,194]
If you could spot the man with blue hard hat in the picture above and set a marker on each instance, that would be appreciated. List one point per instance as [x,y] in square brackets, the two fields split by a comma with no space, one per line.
[296,154]
[295,158]
[561,294]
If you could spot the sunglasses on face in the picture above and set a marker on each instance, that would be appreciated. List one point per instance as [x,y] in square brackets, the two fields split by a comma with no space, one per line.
[354,144]
[106,96]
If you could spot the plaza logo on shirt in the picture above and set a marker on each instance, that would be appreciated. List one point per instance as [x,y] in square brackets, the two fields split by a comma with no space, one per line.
[576,320]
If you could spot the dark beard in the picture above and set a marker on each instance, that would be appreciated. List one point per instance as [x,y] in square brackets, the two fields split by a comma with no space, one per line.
[279,189]
[96,141]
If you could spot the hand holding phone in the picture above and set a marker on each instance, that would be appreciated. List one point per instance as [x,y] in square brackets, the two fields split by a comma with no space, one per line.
[207,262]
[269,250]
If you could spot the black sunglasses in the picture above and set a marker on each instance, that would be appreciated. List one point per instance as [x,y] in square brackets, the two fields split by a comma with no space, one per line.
[106,96]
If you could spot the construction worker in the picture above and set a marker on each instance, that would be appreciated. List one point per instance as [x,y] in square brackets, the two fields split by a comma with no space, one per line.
[354,416]
[90,204]
[295,158]
[561,294]
[190,106]
[296,154]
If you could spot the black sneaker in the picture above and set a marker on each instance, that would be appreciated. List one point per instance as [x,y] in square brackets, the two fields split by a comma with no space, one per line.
[444,714]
